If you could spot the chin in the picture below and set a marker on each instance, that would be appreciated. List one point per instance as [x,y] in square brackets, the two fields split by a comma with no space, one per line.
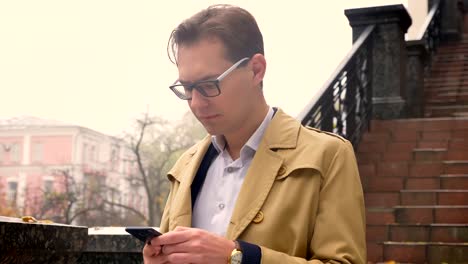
[212,130]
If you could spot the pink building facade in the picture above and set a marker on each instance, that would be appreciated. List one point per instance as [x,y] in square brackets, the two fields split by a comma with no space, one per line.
[33,151]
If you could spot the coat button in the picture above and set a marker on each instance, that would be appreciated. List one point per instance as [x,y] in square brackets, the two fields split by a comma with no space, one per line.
[282,170]
[258,217]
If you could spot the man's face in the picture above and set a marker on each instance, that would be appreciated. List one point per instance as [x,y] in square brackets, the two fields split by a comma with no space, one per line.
[226,113]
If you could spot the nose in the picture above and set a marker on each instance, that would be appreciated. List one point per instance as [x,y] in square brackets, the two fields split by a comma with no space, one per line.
[198,100]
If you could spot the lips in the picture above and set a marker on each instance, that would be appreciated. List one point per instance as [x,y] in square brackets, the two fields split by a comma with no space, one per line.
[208,117]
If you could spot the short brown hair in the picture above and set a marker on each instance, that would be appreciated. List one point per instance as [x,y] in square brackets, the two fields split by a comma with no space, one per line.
[234,26]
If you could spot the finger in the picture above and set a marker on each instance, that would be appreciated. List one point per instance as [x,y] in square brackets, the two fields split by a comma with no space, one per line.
[171,238]
[151,251]
[158,259]
[154,243]
[183,258]
[184,247]
[181,228]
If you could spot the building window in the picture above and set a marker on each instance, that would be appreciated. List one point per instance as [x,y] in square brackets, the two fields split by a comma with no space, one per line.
[12,192]
[114,159]
[85,153]
[48,185]
[38,152]
[92,152]
[15,153]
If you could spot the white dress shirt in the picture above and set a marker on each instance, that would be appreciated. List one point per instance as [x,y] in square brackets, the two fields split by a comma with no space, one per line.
[217,197]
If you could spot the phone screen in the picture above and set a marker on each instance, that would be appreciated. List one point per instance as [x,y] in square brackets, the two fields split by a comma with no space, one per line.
[142,233]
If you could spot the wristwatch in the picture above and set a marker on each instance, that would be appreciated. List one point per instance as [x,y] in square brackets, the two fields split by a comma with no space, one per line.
[236,254]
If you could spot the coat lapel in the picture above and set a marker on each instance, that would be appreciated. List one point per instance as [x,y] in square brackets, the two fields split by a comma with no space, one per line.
[256,186]
[281,133]
[181,213]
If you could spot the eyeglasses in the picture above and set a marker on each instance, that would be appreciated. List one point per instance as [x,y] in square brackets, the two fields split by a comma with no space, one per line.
[208,88]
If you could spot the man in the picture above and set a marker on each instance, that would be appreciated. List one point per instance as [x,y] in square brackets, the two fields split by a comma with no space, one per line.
[262,188]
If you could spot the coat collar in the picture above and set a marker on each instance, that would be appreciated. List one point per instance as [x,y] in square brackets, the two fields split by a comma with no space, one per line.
[282,133]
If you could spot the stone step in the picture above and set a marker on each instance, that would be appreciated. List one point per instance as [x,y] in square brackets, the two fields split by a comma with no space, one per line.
[447,74]
[449,233]
[460,114]
[434,83]
[456,154]
[400,151]
[455,166]
[373,184]
[401,169]
[382,199]
[450,94]
[447,98]
[457,53]
[460,58]
[442,85]
[429,154]
[426,169]
[436,91]
[446,182]
[424,183]
[427,214]
[389,199]
[447,65]
[379,216]
[419,124]
[454,181]
[434,197]
[451,61]
[447,70]
[444,111]
[408,141]
[383,184]
[443,143]
[450,48]
[424,252]
[457,143]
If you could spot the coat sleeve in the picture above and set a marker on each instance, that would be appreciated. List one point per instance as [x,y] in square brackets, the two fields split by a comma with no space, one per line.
[339,230]
[164,226]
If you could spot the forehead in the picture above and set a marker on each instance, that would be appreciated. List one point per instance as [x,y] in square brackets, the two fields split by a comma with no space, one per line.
[204,57]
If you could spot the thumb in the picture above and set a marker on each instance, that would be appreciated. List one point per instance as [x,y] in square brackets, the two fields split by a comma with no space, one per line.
[181,228]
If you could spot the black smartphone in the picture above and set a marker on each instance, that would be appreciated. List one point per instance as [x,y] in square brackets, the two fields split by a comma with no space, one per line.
[142,233]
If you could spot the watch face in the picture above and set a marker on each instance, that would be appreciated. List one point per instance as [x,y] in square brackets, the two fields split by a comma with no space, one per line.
[236,258]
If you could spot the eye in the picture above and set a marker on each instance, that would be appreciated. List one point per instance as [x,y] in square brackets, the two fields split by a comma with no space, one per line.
[187,88]
[207,86]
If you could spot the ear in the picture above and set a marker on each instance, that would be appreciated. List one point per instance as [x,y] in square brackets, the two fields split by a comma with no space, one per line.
[258,63]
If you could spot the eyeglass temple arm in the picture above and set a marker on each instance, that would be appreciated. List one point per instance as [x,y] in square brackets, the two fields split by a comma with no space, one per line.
[233,67]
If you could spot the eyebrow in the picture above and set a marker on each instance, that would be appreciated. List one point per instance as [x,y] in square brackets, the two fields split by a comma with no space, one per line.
[205,78]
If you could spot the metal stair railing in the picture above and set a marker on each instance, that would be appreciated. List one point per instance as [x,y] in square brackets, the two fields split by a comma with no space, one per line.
[344,104]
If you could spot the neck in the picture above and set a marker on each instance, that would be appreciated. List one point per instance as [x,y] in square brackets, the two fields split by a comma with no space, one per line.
[235,141]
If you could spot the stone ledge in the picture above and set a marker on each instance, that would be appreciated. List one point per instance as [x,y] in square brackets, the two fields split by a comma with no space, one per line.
[41,243]
[22,242]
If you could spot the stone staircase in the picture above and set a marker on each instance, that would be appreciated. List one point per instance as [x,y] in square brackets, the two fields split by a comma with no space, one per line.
[415,172]
[446,90]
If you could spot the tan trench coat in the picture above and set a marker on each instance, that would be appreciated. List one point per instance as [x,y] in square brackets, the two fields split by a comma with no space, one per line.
[301,200]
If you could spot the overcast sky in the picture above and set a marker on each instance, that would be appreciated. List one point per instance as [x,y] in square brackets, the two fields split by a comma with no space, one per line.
[101,63]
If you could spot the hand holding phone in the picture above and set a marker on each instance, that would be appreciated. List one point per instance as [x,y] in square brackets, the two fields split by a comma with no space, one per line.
[144,234]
